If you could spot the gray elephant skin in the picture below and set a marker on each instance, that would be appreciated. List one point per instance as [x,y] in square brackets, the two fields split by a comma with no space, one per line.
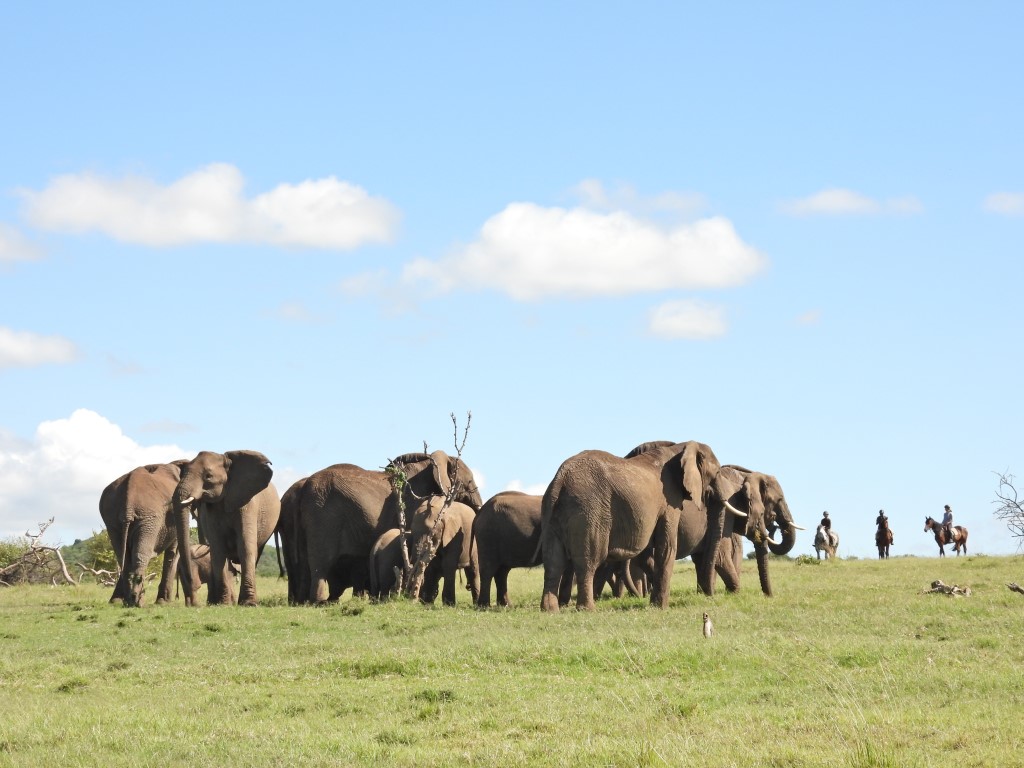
[237,508]
[675,499]
[136,510]
[506,535]
[293,544]
[601,507]
[344,509]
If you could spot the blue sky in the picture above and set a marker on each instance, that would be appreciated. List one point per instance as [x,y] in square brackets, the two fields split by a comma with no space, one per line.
[792,231]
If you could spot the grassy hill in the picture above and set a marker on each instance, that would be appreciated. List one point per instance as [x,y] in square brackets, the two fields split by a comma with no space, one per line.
[851,664]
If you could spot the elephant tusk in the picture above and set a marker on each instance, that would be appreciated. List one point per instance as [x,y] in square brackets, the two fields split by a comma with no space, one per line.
[733,509]
[770,540]
[189,500]
[797,527]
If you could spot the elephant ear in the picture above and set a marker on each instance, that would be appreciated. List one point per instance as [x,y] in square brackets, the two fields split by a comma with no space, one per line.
[755,501]
[249,472]
[690,464]
[442,471]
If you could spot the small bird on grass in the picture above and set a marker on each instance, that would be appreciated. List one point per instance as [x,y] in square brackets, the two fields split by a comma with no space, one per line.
[709,628]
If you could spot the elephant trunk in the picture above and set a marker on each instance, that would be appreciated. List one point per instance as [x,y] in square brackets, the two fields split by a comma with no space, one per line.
[761,552]
[183,527]
[787,543]
[712,540]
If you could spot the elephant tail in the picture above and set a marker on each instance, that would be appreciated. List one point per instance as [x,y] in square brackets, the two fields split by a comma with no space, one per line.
[627,576]
[277,547]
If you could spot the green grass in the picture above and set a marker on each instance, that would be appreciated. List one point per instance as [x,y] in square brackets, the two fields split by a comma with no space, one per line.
[851,664]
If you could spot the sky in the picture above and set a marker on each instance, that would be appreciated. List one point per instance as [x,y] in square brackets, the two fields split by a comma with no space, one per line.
[792,231]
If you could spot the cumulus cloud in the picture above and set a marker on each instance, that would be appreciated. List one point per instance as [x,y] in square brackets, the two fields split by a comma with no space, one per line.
[687,320]
[1005,203]
[24,349]
[209,205]
[15,247]
[593,194]
[63,470]
[845,202]
[531,252]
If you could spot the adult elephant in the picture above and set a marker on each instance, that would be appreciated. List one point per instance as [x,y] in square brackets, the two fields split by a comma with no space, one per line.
[506,535]
[445,530]
[344,509]
[237,508]
[136,512]
[760,498]
[755,508]
[601,507]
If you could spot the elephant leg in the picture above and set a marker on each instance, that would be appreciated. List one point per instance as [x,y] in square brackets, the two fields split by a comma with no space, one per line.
[167,576]
[500,587]
[247,538]
[665,558]
[585,585]
[565,584]
[472,582]
[555,562]
[487,575]
[449,569]
[217,589]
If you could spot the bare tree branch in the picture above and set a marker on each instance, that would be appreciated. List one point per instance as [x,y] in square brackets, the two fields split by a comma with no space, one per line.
[1009,506]
[38,562]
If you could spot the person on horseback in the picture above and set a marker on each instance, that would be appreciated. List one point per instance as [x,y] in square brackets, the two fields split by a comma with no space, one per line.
[881,521]
[947,523]
[826,523]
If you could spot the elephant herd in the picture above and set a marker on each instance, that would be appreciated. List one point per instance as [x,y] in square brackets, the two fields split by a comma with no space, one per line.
[604,519]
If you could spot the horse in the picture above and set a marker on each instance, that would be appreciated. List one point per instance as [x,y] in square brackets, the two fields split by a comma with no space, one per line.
[883,539]
[959,540]
[825,541]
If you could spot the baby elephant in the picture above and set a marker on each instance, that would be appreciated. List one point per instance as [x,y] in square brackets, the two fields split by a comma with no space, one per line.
[386,565]
[201,566]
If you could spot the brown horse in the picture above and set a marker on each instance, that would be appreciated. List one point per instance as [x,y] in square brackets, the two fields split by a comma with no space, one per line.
[959,540]
[883,539]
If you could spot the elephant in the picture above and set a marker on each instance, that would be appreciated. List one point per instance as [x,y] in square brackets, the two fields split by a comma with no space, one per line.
[450,532]
[385,557]
[825,541]
[343,510]
[136,512]
[602,507]
[237,508]
[293,543]
[506,535]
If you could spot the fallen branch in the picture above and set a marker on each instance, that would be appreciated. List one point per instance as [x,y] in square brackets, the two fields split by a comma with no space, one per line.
[1013,587]
[104,577]
[949,589]
[37,562]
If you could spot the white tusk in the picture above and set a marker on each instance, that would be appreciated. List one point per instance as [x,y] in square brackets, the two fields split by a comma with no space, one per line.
[189,500]
[798,527]
[770,540]
[733,509]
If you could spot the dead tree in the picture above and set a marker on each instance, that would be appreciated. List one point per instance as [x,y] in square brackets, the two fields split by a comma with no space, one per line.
[1009,507]
[38,563]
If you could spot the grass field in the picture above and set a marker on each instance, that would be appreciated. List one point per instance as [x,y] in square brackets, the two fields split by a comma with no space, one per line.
[851,664]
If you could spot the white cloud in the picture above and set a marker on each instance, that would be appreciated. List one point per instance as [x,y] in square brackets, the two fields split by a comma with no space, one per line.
[64,469]
[295,312]
[687,320]
[839,202]
[530,252]
[208,205]
[1005,203]
[593,194]
[811,317]
[14,246]
[24,349]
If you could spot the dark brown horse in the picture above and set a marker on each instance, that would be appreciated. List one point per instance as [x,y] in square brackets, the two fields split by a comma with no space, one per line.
[959,540]
[883,539]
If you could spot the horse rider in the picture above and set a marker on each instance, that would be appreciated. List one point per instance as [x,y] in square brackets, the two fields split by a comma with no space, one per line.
[881,520]
[826,523]
[947,523]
